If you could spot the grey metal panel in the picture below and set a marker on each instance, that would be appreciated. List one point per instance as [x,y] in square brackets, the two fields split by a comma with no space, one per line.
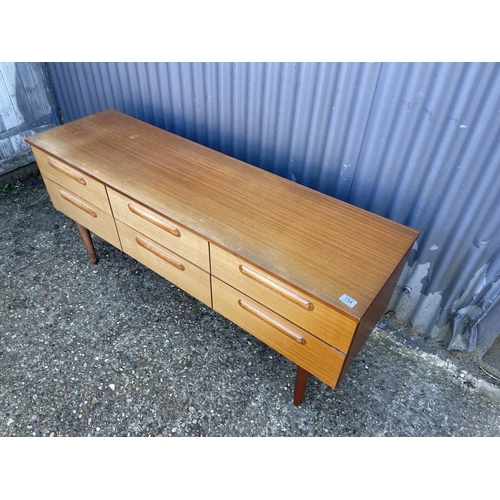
[26,107]
[414,142]
[430,160]
[303,121]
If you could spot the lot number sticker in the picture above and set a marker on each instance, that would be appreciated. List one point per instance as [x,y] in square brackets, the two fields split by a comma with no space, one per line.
[348,300]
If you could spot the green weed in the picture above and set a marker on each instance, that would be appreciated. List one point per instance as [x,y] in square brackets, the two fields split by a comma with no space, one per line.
[5,188]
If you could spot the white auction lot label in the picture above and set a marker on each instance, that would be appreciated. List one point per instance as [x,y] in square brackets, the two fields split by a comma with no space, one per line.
[348,300]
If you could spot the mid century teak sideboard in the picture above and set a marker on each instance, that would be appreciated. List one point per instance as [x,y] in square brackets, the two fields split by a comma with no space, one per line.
[305,273]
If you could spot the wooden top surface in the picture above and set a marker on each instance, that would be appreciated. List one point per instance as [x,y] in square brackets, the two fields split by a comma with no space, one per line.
[320,244]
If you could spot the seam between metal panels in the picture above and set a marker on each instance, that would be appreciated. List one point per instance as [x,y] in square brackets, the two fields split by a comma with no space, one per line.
[368,119]
[411,162]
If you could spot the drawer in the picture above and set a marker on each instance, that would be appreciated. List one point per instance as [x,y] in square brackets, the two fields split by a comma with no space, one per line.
[305,311]
[68,177]
[166,263]
[83,212]
[160,229]
[293,342]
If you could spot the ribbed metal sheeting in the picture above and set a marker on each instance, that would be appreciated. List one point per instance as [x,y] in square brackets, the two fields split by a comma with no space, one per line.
[414,142]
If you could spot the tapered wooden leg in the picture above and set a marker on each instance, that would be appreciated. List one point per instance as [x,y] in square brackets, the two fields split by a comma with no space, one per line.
[87,241]
[300,385]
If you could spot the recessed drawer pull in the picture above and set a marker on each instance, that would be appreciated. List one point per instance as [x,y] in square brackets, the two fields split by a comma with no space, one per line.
[77,203]
[276,287]
[153,219]
[160,253]
[271,321]
[66,171]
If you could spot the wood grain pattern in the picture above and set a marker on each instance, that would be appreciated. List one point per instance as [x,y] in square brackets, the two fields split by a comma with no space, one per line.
[171,266]
[160,229]
[373,315]
[102,224]
[315,356]
[320,245]
[324,322]
[85,187]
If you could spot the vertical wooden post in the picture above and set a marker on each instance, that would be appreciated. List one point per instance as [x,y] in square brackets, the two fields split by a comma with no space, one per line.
[300,385]
[87,241]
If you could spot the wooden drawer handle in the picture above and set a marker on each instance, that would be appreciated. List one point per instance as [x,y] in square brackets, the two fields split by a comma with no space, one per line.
[160,253]
[77,203]
[276,287]
[66,171]
[271,321]
[153,219]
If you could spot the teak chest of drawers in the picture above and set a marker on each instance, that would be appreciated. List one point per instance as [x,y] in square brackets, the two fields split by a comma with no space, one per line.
[305,273]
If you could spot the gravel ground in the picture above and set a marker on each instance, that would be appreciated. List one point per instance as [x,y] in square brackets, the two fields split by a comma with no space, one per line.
[114,350]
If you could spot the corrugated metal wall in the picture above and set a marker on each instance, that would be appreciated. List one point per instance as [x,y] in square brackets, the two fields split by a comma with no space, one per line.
[26,107]
[415,142]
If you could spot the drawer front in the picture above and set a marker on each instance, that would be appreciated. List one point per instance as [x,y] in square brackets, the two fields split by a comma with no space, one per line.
[293,342]
[83,212]
[68,177]
[160,229]
[166,263]
[305,311]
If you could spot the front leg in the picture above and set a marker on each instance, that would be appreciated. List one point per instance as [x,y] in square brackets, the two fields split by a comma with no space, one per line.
[87,241]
